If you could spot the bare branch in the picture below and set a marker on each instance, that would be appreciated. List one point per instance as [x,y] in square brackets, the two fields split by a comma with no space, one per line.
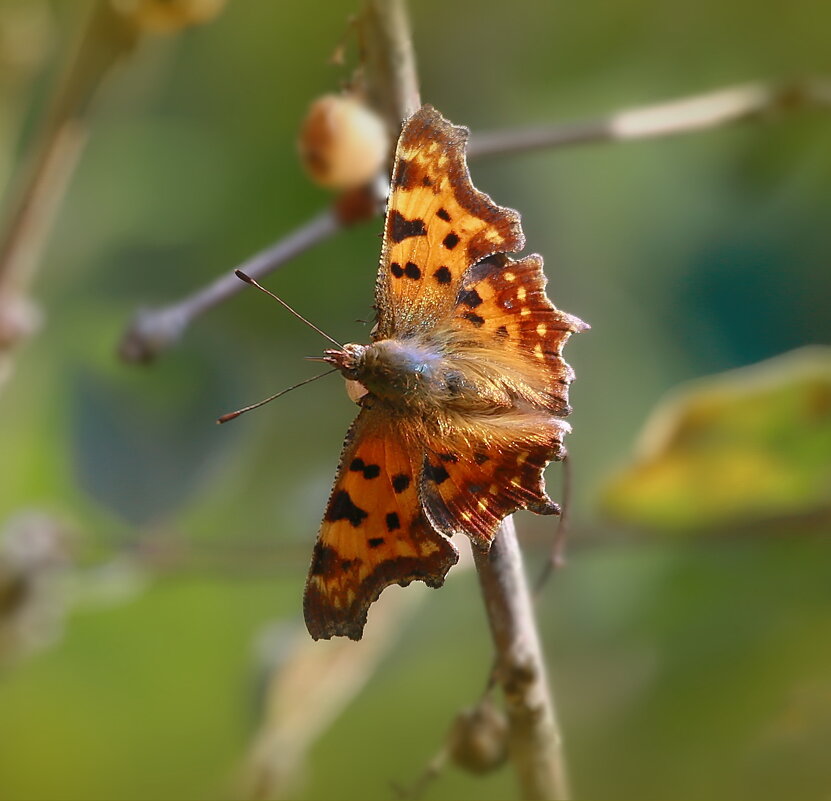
[389,60]
[154,330]
[686,115]
[535,740]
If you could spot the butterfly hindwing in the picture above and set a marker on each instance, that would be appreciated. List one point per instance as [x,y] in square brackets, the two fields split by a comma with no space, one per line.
[438,225]
[470,486]
[374,532]
[503,304]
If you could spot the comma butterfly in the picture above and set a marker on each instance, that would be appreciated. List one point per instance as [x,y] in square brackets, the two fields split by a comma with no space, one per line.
[465,387]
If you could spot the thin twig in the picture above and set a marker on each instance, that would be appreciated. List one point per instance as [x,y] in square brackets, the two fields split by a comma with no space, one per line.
[685,115]
[557,553]
[155,330]
[535,739]
[389,61]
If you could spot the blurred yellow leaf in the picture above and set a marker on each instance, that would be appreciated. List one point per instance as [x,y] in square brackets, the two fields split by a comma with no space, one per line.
[740,448]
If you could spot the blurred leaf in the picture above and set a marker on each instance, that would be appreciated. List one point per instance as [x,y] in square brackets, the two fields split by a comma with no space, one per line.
[744,447]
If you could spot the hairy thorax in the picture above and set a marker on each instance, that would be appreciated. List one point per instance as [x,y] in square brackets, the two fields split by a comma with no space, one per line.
[423,376]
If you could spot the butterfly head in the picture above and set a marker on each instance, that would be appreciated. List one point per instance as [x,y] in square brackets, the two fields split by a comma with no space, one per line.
[349,360]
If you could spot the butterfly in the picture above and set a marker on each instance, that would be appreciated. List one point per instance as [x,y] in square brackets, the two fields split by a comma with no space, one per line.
[462,389]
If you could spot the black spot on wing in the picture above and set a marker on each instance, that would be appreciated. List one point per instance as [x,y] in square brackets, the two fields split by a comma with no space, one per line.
[449,457]
[368,470]
[502,331]
[470,297]
[411,270]
[481,458]
[396,269]
[436,473]
[341,507]
[443,275]
[443,215]
[401,228]
[393,522]
[404,174]
[374,542]
[450,241]
[474,318]
[324,558]
[400,482]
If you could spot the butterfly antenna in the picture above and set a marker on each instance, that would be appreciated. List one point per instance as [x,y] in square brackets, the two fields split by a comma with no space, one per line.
[557,554]
[249,280]
[233,415]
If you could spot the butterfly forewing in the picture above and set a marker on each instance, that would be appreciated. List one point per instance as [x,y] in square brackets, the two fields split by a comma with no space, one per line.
[437,226]
[374,532]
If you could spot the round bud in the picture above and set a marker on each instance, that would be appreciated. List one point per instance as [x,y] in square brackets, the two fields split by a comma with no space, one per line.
[479,738]
[167,16]
[343,143]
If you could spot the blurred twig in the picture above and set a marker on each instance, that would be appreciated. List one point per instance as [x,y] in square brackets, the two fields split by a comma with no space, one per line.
[154,330]
[105,39]
[307,689]
[557,553]
[111,32]
[734,104]
[332,672]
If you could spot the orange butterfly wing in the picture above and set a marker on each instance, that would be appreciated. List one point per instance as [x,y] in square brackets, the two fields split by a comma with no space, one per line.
[503,307]
[490,468]
[374,532]
[470,485]
[405,484]
[438,224]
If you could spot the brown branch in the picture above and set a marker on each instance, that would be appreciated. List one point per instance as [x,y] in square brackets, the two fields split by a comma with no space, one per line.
[154,330]
[389,61]
[734,104]
[535,740]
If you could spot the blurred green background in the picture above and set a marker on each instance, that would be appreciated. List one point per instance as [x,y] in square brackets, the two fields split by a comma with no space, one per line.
[684,665]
